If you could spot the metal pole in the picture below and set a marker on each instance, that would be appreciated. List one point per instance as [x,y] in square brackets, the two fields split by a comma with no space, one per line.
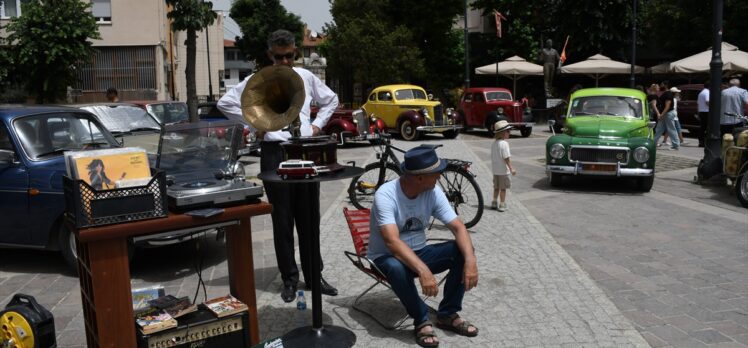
[210,79]
[633,46]
[497,64]
[467,48]
[712,148]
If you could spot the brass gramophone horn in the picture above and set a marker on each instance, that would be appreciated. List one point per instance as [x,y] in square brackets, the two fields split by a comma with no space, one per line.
[273,98]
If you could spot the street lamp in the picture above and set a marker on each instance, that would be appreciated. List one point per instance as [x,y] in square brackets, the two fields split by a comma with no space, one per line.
[207,47]
[633,45]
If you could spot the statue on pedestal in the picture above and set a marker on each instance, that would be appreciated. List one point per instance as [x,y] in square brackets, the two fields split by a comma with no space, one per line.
[550,59]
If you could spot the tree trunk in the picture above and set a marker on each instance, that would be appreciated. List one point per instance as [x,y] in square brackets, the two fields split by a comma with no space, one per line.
[189,72]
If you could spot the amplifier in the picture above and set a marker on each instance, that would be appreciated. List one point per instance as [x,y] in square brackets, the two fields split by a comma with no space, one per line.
[201,329]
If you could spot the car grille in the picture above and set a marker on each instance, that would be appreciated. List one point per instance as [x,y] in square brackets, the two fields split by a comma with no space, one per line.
[362,122]
[599,154]
[438,115]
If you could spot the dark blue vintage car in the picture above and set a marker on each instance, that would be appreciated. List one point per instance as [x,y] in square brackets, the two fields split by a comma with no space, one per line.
[32,143]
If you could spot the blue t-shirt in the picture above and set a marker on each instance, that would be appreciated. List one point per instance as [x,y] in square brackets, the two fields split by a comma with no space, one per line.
[411,216]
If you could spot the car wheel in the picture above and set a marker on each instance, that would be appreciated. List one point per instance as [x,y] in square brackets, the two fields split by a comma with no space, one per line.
[68,248]
[285,176]
[741,189]
[451,134]
[525,131]
[306,176]
[555,179]
[408,131]
[645,183]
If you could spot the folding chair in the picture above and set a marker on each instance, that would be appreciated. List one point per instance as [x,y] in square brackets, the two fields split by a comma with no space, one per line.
[358,223]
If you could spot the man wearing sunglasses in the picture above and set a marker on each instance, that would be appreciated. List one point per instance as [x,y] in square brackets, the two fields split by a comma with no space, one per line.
[289,199]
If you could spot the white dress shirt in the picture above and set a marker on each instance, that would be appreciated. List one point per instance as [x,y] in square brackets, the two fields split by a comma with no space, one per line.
[314,88]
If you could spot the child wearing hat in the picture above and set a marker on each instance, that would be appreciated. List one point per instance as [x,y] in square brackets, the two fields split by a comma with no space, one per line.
[501,164]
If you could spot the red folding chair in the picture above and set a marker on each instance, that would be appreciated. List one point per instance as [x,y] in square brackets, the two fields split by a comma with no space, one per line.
[358,223]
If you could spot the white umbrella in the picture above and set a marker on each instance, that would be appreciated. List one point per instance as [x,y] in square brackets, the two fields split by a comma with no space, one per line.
[515,68]
[599,66]
[732,60]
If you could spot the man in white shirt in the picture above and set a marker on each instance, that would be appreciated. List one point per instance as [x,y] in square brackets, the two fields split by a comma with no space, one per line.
[734,101]
[297,203]
[702,102]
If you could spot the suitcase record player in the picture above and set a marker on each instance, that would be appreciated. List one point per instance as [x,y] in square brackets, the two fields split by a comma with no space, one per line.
[202,170]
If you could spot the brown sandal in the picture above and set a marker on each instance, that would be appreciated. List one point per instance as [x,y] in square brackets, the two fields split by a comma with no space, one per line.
[446,323]
[421,337]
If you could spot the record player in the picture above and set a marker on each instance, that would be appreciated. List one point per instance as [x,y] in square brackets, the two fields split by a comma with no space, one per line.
[202,167]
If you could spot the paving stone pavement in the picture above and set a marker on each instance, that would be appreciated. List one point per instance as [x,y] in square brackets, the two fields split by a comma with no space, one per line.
[531,292]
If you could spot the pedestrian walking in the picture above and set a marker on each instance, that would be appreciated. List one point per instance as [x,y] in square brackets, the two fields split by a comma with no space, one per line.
[666,122]
[702,102]
[501,164]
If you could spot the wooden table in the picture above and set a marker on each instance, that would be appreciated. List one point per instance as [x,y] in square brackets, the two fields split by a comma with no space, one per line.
[104,270]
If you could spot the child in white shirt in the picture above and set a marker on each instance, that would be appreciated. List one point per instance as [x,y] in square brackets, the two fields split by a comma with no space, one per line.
[501,164]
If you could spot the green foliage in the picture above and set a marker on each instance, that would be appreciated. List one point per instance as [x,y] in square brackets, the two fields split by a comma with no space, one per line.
[191,14]
[395,41]
[50,39]
[684,27]
[257,19]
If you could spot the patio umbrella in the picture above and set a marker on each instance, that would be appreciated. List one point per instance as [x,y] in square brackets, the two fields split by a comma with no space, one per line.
[515,68]
[663,68]
[733,59]
[599,66]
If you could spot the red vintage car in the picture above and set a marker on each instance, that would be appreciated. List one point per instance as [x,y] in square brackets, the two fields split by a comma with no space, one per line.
[477,103]
[351,125]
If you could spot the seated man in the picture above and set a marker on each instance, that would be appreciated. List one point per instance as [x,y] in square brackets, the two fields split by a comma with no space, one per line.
[399,215]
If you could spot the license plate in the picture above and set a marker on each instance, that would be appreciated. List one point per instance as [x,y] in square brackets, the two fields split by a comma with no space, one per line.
[599,167]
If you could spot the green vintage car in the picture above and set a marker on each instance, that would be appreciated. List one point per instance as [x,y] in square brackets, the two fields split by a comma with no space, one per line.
[606,132]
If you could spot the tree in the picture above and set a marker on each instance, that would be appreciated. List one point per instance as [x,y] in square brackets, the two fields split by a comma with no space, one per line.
[395,41]
[50,40]
[191,16]
[257,19]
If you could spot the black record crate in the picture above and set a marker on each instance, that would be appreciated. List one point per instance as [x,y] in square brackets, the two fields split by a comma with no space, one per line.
[88,207]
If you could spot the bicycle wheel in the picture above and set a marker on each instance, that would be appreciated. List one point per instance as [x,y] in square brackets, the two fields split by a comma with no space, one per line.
[463,194]
[362,188]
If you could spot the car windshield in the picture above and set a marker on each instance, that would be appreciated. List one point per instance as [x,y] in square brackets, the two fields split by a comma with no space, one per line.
[498,96]
[408,94]
[168,113]
[51,134]
[123,118]
[606,106]
[190,147]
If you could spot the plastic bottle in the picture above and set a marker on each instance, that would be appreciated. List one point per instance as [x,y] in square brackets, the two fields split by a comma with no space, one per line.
[301,301]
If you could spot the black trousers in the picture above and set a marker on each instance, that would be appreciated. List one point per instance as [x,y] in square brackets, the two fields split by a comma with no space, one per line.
[703,118]
[292,204]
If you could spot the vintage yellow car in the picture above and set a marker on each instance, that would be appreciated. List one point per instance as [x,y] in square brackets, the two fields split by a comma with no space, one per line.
[406,109]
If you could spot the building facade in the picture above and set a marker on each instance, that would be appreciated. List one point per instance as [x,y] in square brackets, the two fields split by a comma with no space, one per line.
[139,54]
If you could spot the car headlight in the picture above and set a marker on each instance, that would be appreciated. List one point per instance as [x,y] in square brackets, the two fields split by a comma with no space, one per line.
[641,154]
[557,151]
[425,112]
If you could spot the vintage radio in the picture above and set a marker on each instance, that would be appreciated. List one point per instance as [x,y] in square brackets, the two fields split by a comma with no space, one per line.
[201,329]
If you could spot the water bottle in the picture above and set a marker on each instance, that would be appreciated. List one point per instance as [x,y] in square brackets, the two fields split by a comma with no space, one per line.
[301,302]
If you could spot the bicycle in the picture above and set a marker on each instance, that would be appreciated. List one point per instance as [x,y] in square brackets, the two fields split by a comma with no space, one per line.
[457,182]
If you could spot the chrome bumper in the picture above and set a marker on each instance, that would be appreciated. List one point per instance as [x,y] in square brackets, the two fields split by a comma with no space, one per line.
[438,129]
[577,169]
[521,124]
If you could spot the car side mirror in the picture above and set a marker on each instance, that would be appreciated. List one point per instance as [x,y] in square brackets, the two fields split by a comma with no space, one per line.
[651,124]
[7,157]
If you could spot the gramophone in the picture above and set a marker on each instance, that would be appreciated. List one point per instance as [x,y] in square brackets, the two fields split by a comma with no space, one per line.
[271,101]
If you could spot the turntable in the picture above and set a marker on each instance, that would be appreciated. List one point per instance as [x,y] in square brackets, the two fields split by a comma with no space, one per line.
[200,161]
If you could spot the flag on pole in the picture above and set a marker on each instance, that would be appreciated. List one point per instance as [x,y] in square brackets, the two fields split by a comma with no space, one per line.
[563,51]
[498,18]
